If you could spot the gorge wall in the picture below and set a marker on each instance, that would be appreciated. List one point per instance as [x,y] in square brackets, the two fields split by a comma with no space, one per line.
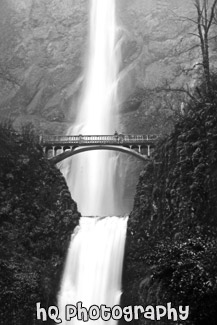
[171,240]
[42,56]
[37,218]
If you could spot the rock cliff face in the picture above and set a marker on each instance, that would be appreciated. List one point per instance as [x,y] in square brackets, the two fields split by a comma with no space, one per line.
[174,219]
[37,219]
[42,51]
[154,40]
[43,47]
[158,49]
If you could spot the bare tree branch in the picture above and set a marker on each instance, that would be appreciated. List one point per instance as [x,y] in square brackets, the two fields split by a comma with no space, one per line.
[194,34]
[181,90]
[212,14]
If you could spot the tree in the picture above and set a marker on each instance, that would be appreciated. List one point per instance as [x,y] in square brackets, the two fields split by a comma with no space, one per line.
[206,15]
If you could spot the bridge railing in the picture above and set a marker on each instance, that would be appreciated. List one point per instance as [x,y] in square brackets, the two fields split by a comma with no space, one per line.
[92,139]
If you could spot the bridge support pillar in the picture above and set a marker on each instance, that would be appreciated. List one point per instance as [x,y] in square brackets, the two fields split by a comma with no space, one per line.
[149,151]
[53,151]
[139,149]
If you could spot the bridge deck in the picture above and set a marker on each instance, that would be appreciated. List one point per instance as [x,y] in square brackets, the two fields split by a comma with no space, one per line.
[84,140]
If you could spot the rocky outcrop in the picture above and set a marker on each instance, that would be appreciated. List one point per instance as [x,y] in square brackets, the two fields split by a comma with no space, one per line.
[37,218]
[171,241]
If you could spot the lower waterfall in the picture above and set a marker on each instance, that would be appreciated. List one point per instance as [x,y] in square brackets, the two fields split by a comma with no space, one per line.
[94,266]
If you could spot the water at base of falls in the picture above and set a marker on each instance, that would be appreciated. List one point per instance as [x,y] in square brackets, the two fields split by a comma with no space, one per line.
[93,267]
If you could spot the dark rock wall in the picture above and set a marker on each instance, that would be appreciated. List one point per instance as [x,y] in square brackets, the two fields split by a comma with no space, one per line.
[172,228]
[37,218]
[171,241]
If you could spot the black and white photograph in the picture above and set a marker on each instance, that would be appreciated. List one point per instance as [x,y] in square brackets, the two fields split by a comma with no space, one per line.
[108,162]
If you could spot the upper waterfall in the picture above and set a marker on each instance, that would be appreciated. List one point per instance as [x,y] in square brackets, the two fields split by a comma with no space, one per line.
[93,177]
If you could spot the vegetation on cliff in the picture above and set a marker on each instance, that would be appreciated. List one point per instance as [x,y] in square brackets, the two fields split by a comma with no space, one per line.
[171,243]
[37,217]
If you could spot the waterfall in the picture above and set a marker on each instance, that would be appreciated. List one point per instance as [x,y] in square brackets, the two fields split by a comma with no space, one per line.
[93,267]
[92,177]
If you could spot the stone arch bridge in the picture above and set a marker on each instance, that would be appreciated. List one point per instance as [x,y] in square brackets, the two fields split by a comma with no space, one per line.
[58,148]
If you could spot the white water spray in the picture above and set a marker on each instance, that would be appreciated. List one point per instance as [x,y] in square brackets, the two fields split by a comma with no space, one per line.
[94,265]
[92,177]
[93,268]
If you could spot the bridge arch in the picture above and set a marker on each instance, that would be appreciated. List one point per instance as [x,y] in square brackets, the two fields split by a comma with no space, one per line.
[78,150]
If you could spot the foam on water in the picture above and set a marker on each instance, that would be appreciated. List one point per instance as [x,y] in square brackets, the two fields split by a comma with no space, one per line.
[94,265]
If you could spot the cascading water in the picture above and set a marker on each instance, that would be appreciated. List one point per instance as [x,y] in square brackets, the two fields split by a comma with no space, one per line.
[93,268]
[94,265]
[92,177]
